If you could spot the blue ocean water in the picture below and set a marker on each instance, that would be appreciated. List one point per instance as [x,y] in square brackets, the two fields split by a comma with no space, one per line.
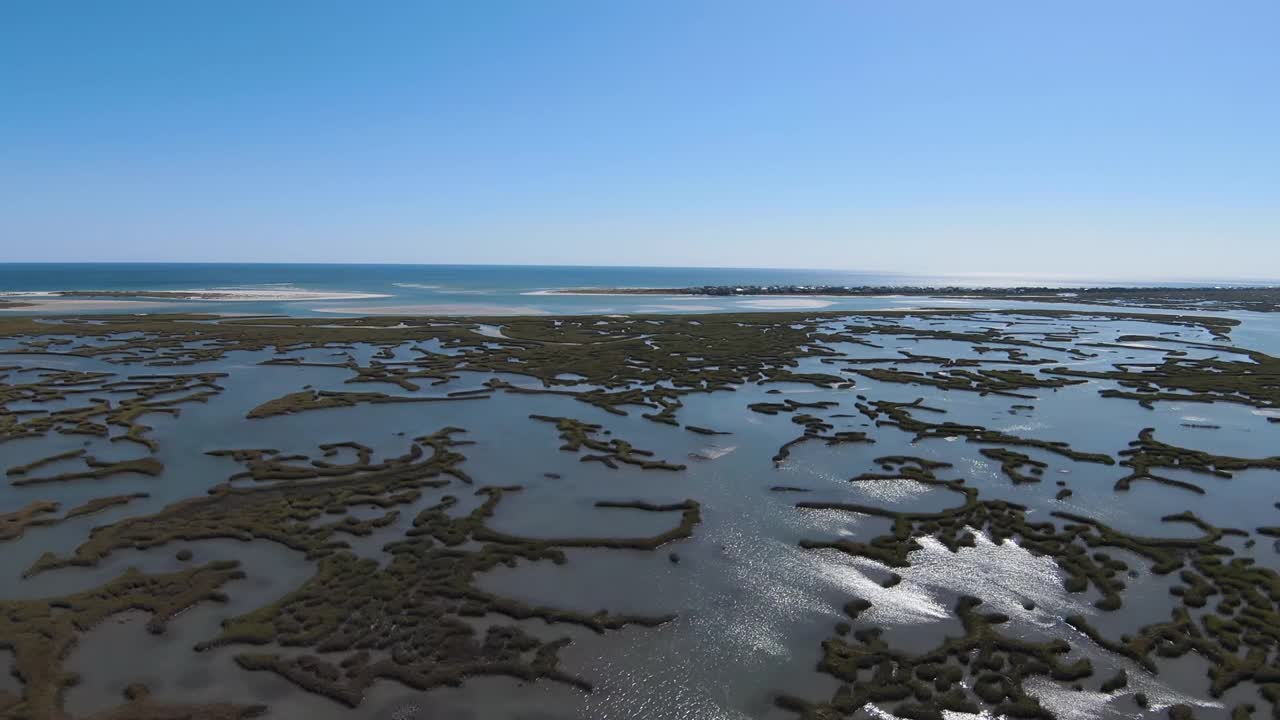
[458,289]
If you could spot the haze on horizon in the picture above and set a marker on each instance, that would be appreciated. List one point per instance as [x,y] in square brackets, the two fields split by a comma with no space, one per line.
[1134,139]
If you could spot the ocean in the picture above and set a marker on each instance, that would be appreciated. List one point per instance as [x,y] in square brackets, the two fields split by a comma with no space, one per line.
[326,289]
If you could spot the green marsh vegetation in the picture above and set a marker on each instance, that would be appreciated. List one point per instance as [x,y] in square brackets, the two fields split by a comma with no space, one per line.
[410,619]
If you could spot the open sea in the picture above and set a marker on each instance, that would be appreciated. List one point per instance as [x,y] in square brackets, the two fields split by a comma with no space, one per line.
[324,289]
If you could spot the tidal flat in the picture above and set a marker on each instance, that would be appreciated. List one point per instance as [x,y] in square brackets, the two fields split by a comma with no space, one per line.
[1023,513]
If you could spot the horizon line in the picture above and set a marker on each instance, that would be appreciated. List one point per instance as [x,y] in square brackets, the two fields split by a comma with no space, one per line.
[964,274]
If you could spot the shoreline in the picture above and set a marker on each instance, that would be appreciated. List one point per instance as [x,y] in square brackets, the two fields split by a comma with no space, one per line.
[741,297]
[1248,298]
[1029,291]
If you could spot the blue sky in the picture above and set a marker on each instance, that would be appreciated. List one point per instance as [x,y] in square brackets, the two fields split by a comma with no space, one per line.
[1099,138]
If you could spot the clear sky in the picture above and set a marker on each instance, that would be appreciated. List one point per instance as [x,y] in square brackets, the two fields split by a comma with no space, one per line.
[1123,137]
